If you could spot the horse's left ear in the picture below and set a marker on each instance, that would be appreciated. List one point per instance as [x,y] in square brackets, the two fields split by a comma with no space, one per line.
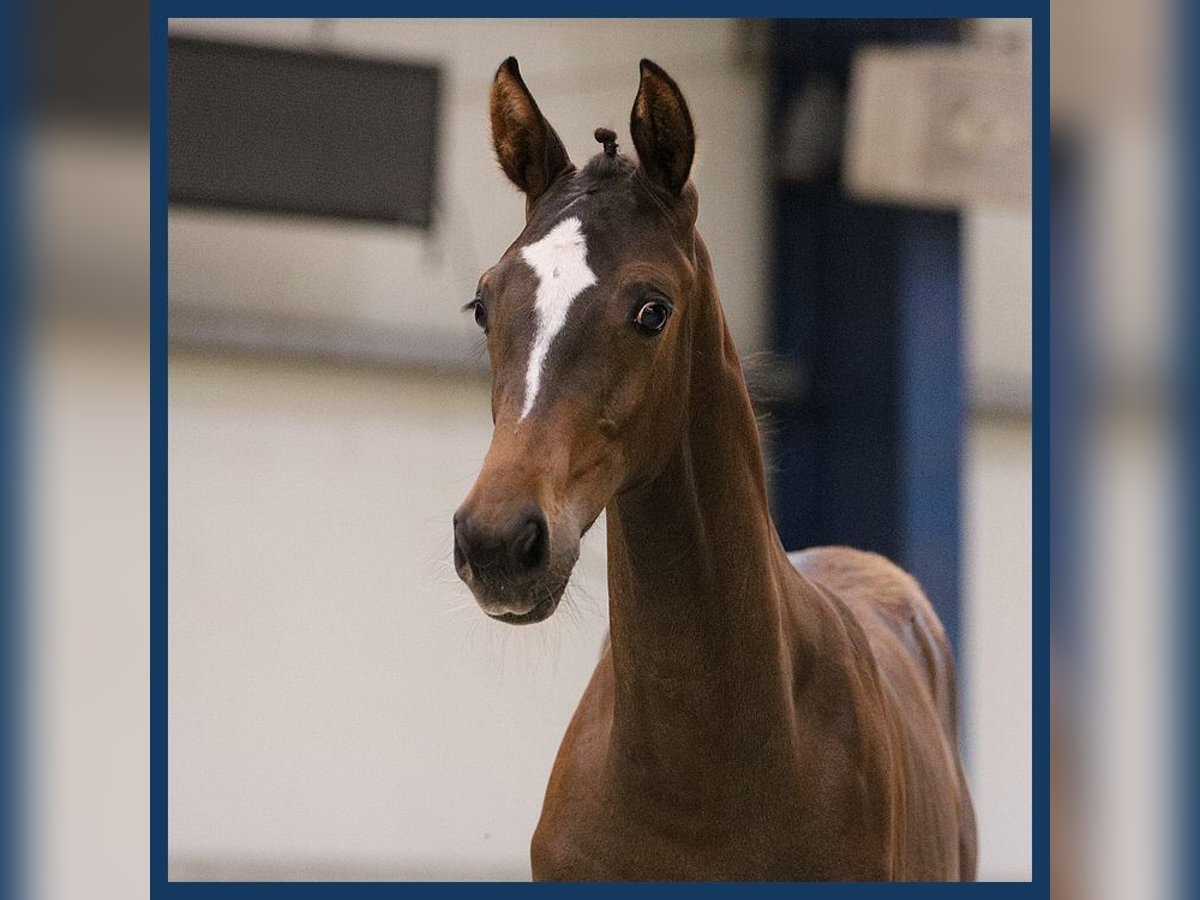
[529,150]
[662,131]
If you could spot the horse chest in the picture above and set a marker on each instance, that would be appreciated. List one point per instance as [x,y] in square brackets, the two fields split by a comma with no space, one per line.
[597,824]
[621,846]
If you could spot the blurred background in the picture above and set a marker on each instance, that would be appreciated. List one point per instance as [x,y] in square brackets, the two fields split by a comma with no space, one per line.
[337,701]
[333,692]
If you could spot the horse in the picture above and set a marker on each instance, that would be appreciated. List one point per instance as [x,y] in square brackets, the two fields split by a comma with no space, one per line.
[755,715]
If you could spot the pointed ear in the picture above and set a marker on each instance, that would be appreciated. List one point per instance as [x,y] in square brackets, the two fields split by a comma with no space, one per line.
[662,131]
[527,148]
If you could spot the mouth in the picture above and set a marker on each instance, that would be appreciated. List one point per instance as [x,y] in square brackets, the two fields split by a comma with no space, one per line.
[540,612]
[513,603]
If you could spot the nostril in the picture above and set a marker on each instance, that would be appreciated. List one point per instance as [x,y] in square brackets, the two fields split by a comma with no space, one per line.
[531,548]
[460,557]
[484,553]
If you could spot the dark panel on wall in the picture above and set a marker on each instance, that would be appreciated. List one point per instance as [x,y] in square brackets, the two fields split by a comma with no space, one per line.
[283,131]
[1073,381]
[86,62]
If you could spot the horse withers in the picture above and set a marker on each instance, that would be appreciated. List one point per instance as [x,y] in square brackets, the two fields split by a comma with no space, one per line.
[756,715]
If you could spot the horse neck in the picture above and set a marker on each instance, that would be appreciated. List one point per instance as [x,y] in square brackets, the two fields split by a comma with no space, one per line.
[695,572]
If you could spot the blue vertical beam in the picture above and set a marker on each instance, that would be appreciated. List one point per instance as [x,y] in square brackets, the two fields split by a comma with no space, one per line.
[931,407]
[867,304]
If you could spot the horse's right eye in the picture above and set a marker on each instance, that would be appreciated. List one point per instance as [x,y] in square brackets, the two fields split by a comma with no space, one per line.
[652,317]
[476,306]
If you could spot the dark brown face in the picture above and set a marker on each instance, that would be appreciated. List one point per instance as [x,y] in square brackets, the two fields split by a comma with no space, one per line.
[586,317]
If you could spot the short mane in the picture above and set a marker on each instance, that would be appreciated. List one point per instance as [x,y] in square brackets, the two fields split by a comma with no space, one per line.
[604,166]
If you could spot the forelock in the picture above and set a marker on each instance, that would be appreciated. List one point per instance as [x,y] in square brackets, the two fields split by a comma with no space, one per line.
[602,166]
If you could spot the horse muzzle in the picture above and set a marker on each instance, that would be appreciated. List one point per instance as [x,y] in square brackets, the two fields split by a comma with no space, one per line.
[514,564]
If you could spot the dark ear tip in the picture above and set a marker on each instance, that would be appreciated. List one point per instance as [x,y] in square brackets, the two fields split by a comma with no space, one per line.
[509,67]
[649,66]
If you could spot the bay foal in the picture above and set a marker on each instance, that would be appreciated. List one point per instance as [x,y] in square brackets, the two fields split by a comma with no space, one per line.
[757,716]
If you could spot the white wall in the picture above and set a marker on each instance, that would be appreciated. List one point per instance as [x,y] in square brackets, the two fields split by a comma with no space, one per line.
[85,505]
[85,654]
[997,653]
[337,699]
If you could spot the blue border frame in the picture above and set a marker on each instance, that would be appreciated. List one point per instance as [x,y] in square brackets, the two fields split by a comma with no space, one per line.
[14,843]
[1037,10]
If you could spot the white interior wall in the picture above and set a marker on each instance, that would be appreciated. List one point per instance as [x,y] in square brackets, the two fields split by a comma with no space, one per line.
[84,563]
[86,740]
[337,699]
[997,652]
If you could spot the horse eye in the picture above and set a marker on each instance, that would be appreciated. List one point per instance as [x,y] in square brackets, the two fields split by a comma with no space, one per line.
[476,306]
[652,316]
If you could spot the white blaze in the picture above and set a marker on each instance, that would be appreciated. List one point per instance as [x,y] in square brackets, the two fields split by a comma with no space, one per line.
[560,261]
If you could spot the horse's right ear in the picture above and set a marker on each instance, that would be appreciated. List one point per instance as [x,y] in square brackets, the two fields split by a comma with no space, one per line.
[662,131]
[528,149]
